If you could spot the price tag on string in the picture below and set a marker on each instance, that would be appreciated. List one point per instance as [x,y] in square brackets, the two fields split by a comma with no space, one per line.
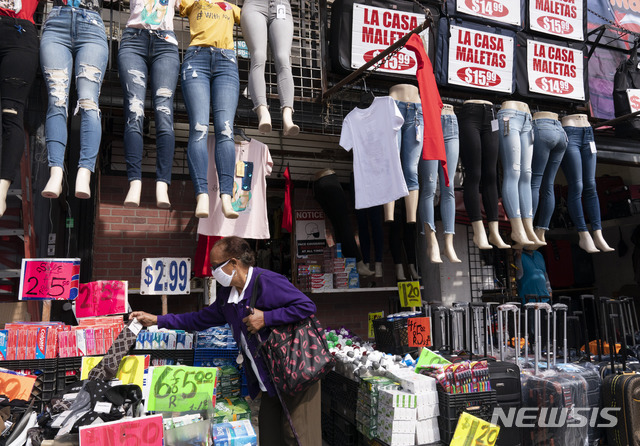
[473,431]
[145,431]
[16,386]
[181,388]
[419,331]
[130,371]
[49,279]
[372,317]
[102,298]
[410,294]
[165,275]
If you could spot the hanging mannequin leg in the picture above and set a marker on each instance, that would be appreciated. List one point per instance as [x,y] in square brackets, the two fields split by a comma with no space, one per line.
[433,250]
[4,188]
[202,206]
[518,234]
[494,236]
[414,271]
[411,203]
[162,195]
[400,272]
[378,269]
[227,208]
[264,119]
[600,242]
[363,269]
[586,242]
[479,235]
[540,233]
[53,189]
[83,181]
[531,235]
[290,129]
[449,251]
[388,211]
[132,200]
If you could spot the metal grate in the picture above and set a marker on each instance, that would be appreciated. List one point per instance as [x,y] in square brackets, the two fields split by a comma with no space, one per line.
[487,271]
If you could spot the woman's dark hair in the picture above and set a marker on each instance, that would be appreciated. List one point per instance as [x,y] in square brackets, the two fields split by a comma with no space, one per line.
[238,248]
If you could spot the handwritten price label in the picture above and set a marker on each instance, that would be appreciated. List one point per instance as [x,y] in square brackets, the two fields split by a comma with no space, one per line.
[165,276]
[49,279]
[372,317]
[102,298]
[419,331]
[472,431]
[410,294]
[145,431]
[181,388]
[130,371]
[15,386]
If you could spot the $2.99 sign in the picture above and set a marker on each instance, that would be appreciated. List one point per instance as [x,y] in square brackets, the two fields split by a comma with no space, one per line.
[165,275]
[181,388]
[44,279]
[410,294]
[145,431]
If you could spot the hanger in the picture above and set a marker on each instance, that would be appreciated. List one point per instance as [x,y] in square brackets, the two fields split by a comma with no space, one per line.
[367,97]
[239,131]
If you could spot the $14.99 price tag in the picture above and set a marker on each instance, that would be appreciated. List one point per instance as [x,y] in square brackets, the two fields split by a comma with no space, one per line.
[410,294]
[54,279]
[165,275]
[181,388]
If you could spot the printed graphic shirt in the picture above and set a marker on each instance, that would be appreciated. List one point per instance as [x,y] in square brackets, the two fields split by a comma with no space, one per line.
[249,193]
[20,9]
[211,22]
[94,5]
[152,14]
[372,133]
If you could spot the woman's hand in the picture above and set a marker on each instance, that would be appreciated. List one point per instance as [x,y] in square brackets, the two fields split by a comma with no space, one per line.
[255,321]
[145,319]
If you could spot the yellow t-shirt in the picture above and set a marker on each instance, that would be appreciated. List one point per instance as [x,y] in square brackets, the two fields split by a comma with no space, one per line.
[211,22]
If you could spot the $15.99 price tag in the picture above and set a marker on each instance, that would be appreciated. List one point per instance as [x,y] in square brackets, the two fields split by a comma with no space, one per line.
[54,279]
[181,388]
[165,275]
[410,294]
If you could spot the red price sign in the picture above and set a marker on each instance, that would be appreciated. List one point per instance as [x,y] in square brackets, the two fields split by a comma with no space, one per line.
[146,431]
[49,279]
[16,386]
[419,331]
[102,298]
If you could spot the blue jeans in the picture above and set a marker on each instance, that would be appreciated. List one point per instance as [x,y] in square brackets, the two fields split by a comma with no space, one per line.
[73,40]
[549,145]
[579,167]
[516,152]
[210,80]
[410,145]
[142,52]
[429,169]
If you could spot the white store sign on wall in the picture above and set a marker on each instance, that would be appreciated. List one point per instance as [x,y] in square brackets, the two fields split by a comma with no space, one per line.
[505,11]
[562,18]
[555,70]
[478,59]
[374,29]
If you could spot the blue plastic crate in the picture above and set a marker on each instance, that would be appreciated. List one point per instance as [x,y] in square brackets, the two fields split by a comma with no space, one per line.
[208,357]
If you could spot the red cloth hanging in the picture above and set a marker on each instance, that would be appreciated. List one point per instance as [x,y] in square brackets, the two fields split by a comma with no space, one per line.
[201,264]
[287,218]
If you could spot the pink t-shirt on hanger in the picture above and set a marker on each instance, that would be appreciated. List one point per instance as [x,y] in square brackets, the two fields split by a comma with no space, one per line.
[249,194]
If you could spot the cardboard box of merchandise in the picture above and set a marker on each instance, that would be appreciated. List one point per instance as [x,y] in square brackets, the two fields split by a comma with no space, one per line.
[398,398]
[427,431]
[407,425]
[234,433]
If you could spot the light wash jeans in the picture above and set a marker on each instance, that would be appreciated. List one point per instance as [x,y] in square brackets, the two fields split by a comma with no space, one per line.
[408,142]
[259,25]
[73,40]
[142,53]
[430,170]
[516,152]
[579,167]
[210,81]
[549,145]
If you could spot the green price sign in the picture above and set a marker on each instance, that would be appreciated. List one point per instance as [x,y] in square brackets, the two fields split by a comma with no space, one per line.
[410,294]
[181,388]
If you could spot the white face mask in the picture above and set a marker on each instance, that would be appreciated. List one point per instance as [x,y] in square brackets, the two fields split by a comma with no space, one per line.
[221,277]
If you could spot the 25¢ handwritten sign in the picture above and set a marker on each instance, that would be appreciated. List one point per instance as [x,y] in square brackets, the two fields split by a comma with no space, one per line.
[165,275]
[181,388]
[419,331]
[49,279]
[145,431]
[16,386]
[102,298]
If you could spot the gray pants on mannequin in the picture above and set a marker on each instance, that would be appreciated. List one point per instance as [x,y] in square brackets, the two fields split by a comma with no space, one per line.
[262,19]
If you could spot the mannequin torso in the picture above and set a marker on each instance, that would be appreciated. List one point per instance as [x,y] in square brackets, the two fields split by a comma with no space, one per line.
[578,120]
[447,109]
[477,101]
[322,173]
[515,105]
[405,93]
[545,115]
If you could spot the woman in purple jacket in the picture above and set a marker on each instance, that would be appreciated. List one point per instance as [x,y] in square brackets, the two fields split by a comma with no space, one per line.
[278,303]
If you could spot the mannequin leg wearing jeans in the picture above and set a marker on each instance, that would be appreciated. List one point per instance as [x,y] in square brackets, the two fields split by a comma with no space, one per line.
[260,20]
[579,167]
[143,53]
[210,81]
[549,146]
[430,170]
[18,65]
[73,40]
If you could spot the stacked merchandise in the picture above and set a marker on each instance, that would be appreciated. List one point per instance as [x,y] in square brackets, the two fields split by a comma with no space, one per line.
[234,433]
[231,409]
[319,280]
[228,384]
[328,271]
[216,338]
[345,274]
[368,407]
[164,339]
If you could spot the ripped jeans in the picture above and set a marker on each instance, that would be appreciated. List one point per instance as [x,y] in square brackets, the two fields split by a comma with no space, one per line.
[210,81]
[73,40]
[148,58]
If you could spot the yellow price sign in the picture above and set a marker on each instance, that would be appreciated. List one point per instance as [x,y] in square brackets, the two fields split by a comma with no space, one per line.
[130,370]
[88,363]
[372,317]
[410,294]
[473,431]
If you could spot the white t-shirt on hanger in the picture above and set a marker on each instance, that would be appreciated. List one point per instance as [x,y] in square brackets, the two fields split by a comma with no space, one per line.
[372,133]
